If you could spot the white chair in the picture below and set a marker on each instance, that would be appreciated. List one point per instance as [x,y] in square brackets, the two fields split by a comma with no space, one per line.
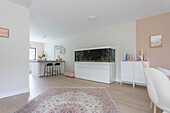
[158,87]
[165,71]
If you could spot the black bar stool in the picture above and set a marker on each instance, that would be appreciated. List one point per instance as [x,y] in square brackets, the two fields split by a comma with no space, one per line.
[57,69]
[48,69]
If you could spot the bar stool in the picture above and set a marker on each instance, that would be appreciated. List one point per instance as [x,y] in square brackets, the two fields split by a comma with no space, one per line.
[48,69]
[57,69]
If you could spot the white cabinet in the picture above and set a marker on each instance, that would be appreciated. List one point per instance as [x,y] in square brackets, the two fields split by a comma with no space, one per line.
[132,72]
[126,69]
[30,67]
[139,73]
[96,71]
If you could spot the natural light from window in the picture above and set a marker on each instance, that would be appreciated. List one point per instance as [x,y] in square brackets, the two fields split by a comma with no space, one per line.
[32,53]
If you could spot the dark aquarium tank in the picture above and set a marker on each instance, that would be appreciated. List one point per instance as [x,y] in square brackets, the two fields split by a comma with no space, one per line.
[95,55]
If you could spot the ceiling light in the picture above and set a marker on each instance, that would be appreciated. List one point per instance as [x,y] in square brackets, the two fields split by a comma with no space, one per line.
[92,18]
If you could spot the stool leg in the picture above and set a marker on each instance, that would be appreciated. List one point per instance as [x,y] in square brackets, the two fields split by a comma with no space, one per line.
[60,69]
[55,70]
[44,70]
[52,70]
[47,70]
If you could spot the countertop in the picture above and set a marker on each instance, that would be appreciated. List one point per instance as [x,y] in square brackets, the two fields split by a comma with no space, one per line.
[45,61]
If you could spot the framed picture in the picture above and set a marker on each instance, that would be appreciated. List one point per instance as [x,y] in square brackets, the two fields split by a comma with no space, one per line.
[62,50]
[4,32]
[156,41]
[57,46]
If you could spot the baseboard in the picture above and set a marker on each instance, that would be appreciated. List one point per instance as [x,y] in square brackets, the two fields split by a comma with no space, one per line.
[117,80]
[12,93]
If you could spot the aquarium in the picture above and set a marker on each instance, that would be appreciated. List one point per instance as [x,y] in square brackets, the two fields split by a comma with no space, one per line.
[95,55]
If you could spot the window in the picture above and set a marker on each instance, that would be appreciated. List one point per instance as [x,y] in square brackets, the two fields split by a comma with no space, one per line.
[32,53]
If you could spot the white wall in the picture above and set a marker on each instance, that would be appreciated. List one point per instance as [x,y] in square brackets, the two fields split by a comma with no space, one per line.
[14,71]
[122,36]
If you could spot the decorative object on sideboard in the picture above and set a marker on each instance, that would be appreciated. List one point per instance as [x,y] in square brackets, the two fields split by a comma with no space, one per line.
[4,32]
[141,53]
[156,41]
[130,56]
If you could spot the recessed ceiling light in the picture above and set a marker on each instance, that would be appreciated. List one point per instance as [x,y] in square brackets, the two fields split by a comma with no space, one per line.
[92,18]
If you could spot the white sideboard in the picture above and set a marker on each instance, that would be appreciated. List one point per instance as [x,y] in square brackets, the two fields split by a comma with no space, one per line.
[104,72]
[132,72]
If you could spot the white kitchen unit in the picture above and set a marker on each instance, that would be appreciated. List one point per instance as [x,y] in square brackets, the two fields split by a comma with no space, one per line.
[38,67]
[30,67]
[96,64]
[132,72]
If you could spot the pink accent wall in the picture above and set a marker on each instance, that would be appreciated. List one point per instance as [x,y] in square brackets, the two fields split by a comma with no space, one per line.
[159,57]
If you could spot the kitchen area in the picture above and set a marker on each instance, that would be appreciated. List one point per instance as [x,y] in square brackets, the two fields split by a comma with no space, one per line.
[40,65]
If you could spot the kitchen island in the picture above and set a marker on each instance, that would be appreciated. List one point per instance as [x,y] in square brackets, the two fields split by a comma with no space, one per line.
[37,66]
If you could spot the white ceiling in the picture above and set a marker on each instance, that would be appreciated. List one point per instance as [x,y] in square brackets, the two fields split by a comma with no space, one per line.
[65,18]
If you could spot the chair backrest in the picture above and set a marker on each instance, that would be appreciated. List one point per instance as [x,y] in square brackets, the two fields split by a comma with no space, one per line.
[165,71]
[158,86]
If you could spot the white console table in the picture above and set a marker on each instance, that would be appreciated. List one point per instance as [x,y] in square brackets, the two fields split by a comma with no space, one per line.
[132,72]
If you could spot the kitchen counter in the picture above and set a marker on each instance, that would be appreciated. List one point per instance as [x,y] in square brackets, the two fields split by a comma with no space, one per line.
[37,66]
[45,61]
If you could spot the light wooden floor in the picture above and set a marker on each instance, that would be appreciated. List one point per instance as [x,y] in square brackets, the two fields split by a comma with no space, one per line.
[130,100]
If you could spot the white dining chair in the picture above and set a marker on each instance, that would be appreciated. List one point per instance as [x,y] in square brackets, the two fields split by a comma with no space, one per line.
[165,71]
[158,87]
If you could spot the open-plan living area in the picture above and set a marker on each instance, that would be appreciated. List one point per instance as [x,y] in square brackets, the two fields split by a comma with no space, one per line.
[84,56]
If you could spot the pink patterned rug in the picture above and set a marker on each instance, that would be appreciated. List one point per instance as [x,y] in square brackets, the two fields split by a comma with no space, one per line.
[72,100]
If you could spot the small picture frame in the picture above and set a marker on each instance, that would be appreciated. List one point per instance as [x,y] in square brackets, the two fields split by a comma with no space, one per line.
[57,46]
[4,32]
[62,50]
[156,41]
